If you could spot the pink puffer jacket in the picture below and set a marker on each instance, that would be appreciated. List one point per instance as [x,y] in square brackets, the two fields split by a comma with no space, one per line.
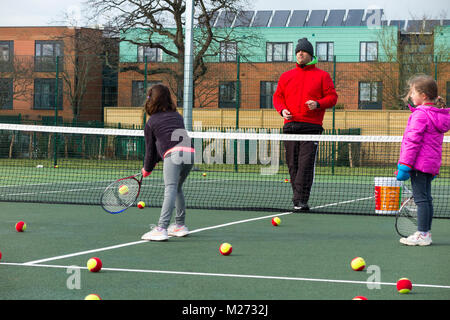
[423,137]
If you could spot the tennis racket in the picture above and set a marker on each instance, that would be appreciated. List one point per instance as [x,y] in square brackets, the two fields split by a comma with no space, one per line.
[406,217]
[121,194]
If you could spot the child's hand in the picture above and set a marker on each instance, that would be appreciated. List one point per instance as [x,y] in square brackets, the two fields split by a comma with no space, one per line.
[403,172]
[145,173]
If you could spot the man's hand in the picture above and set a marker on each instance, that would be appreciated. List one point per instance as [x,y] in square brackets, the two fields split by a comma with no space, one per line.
[286,114]
[312,104]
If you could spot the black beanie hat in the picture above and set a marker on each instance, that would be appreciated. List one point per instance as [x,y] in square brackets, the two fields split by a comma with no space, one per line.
[304,45]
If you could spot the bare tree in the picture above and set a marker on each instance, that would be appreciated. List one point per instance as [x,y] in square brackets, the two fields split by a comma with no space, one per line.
[165,18]
[16,79]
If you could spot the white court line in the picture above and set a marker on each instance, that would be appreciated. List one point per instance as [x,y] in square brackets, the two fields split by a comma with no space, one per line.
[231,275]
[144,241]
[193,231]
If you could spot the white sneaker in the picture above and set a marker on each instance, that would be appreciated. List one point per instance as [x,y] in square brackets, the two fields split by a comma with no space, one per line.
[417,239]
[156,234]
[177,231]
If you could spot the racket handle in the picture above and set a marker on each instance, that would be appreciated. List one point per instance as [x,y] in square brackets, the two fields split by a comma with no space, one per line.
[145,173]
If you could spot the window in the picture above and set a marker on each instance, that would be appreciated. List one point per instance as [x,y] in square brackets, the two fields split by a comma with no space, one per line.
[152,54]
[6,93]
[227,94]
[325,51]
[228,51]
[45,55]
[44,94]
[368,51]
[139,93]
[6,55]
[370,95]
[278,51]
[267,89]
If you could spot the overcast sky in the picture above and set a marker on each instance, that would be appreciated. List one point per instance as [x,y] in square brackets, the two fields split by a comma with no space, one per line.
[52,12]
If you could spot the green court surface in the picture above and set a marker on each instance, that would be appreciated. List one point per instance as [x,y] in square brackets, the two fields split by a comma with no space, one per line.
[307,257]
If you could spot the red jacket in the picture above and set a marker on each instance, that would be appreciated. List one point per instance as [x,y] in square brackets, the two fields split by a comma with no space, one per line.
[299,85]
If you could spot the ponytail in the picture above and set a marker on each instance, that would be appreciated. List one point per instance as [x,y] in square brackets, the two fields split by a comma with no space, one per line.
[440,102]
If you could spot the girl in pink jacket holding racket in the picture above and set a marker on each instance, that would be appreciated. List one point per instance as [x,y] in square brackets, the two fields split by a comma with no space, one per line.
[421,151]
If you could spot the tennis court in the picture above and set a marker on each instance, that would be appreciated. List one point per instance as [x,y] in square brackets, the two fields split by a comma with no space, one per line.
[307,257]
[53,181]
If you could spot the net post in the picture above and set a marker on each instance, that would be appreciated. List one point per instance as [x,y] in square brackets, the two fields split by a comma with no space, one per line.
[333,127]
[188,67]
[55,138]
[238,106]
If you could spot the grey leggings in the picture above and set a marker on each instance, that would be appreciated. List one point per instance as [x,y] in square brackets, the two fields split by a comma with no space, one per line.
[176,169]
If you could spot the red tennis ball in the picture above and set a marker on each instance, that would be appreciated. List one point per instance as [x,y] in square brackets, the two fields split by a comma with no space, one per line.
[21,226]
[276,221]
[404,285]
[359,298]
[94,264]
[141,205]
[0,255]
[225,249]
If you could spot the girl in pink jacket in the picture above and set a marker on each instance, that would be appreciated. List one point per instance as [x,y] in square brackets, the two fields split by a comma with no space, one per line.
[421,151]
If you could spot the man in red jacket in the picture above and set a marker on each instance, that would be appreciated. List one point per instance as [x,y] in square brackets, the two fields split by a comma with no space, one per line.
[301,97]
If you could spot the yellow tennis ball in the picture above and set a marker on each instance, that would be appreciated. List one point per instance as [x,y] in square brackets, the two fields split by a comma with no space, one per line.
[225,249]
[276,221]
[358,264]
[92,296]
[204,174]
[141,205]
[123,190]
[94,264]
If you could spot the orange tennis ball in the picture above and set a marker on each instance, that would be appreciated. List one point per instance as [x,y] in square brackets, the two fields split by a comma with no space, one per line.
[358,264]
[21,226]
[225,249]
[276,221]
[359,298]
[404,285]
[141,205]
[92,296]
[94,264]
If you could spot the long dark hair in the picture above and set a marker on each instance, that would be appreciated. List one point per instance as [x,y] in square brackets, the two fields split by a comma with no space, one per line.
[159,99]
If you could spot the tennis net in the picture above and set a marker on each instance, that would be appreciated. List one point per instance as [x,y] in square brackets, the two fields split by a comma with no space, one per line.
[354,174]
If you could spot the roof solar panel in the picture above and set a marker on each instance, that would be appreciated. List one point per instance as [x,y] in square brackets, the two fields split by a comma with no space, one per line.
[243,18]
[316,18]
[431,24]
[399,23]
[262,18]
[280,18]
[298,18]
[414,26]
[211,21]
[335,18]
[354,17]
[225,19]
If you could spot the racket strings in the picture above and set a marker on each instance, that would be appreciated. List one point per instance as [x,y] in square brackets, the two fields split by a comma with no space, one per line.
[406,221]
[120,195]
